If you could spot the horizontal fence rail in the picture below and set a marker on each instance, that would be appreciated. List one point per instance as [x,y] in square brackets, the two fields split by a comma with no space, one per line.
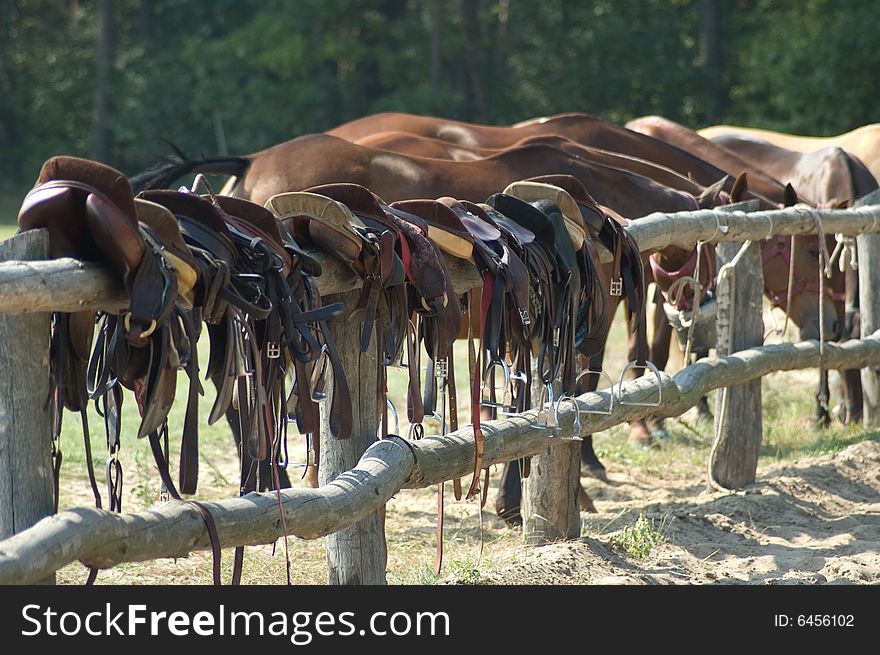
[103,539]
[69,285]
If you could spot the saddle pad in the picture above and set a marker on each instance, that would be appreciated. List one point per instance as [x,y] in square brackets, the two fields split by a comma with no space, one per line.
[535,191]
[439,217]
[591,215]
[328,223]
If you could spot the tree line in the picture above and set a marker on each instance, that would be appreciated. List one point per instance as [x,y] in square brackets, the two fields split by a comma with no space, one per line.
[112,79]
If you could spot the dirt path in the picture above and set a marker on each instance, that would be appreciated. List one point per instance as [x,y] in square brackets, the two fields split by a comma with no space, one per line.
[814,520]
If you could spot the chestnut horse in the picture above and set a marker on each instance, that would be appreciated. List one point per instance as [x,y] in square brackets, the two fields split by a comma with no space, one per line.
[830,177]
[851,179]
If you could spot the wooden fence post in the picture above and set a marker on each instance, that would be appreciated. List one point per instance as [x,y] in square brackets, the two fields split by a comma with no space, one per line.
[26,488]
[740,325]
[356,554]
[549,500]
[868,247]
[869,307]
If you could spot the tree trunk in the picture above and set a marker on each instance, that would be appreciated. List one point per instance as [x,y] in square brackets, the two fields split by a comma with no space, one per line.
[436,41]
[104,55]
[710,58]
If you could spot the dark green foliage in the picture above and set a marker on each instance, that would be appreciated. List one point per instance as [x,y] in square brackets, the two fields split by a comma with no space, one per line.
[256,73]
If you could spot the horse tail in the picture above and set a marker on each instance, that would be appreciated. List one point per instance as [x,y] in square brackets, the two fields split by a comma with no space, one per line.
[177,164]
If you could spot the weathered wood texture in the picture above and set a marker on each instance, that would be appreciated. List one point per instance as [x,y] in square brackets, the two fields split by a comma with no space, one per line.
[549,499]
[738,419]
[26,487]
[869,306]
[356,553]
[103,539]
[67,285]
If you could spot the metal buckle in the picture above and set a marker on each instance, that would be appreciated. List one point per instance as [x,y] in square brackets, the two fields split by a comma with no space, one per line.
[576,426]
[610,389]
[273,350]
[524,317]
[616,287]
[545,419]
[648,366]
[486,399]
[441,368]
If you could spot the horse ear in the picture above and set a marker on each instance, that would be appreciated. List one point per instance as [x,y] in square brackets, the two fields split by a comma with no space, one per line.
[740,187]
[789,196]
[711,195]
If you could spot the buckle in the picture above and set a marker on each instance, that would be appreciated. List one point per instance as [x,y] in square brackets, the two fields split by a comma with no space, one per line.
[273,350]
[441,368]
[524,317]
[616,287]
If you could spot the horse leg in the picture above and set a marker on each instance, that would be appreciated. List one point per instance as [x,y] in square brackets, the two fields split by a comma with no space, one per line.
[590,464]
[265,466]
[660,346]
[822,418]
[509,497]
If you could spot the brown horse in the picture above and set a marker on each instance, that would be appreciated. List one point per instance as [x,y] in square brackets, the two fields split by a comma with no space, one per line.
[817,185]
[830,177]
[413,144]
[580,128]
[321,159]
[862,142]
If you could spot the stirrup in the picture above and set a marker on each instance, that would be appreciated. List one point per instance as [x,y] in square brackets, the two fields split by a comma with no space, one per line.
[487,386]
[601,374]
[510,410]
[647,366]
[576,427]
[393,411]
[546,419]
[317,381]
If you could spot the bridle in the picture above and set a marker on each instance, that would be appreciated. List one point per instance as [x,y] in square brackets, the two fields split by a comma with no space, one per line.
[707,273]
[780,246]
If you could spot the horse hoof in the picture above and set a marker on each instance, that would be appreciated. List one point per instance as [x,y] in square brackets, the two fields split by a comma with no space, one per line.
[591,470]
[585,502]
[822,421]
[511,517]
[660,433]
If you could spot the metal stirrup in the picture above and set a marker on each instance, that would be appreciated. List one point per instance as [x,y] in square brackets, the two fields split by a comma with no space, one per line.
[610,388]
[576,426]
[545,419]
[518,376]
[647,366]
[487,386]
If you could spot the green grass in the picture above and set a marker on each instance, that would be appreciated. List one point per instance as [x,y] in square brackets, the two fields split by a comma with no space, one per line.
[638,540]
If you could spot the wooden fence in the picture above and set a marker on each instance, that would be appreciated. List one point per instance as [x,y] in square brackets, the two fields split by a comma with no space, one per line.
[367,476]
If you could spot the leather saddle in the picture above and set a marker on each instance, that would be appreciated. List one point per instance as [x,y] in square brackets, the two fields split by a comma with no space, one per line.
[627,271]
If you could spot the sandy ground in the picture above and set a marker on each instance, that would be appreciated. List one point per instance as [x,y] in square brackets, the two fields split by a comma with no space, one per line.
[814,520]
